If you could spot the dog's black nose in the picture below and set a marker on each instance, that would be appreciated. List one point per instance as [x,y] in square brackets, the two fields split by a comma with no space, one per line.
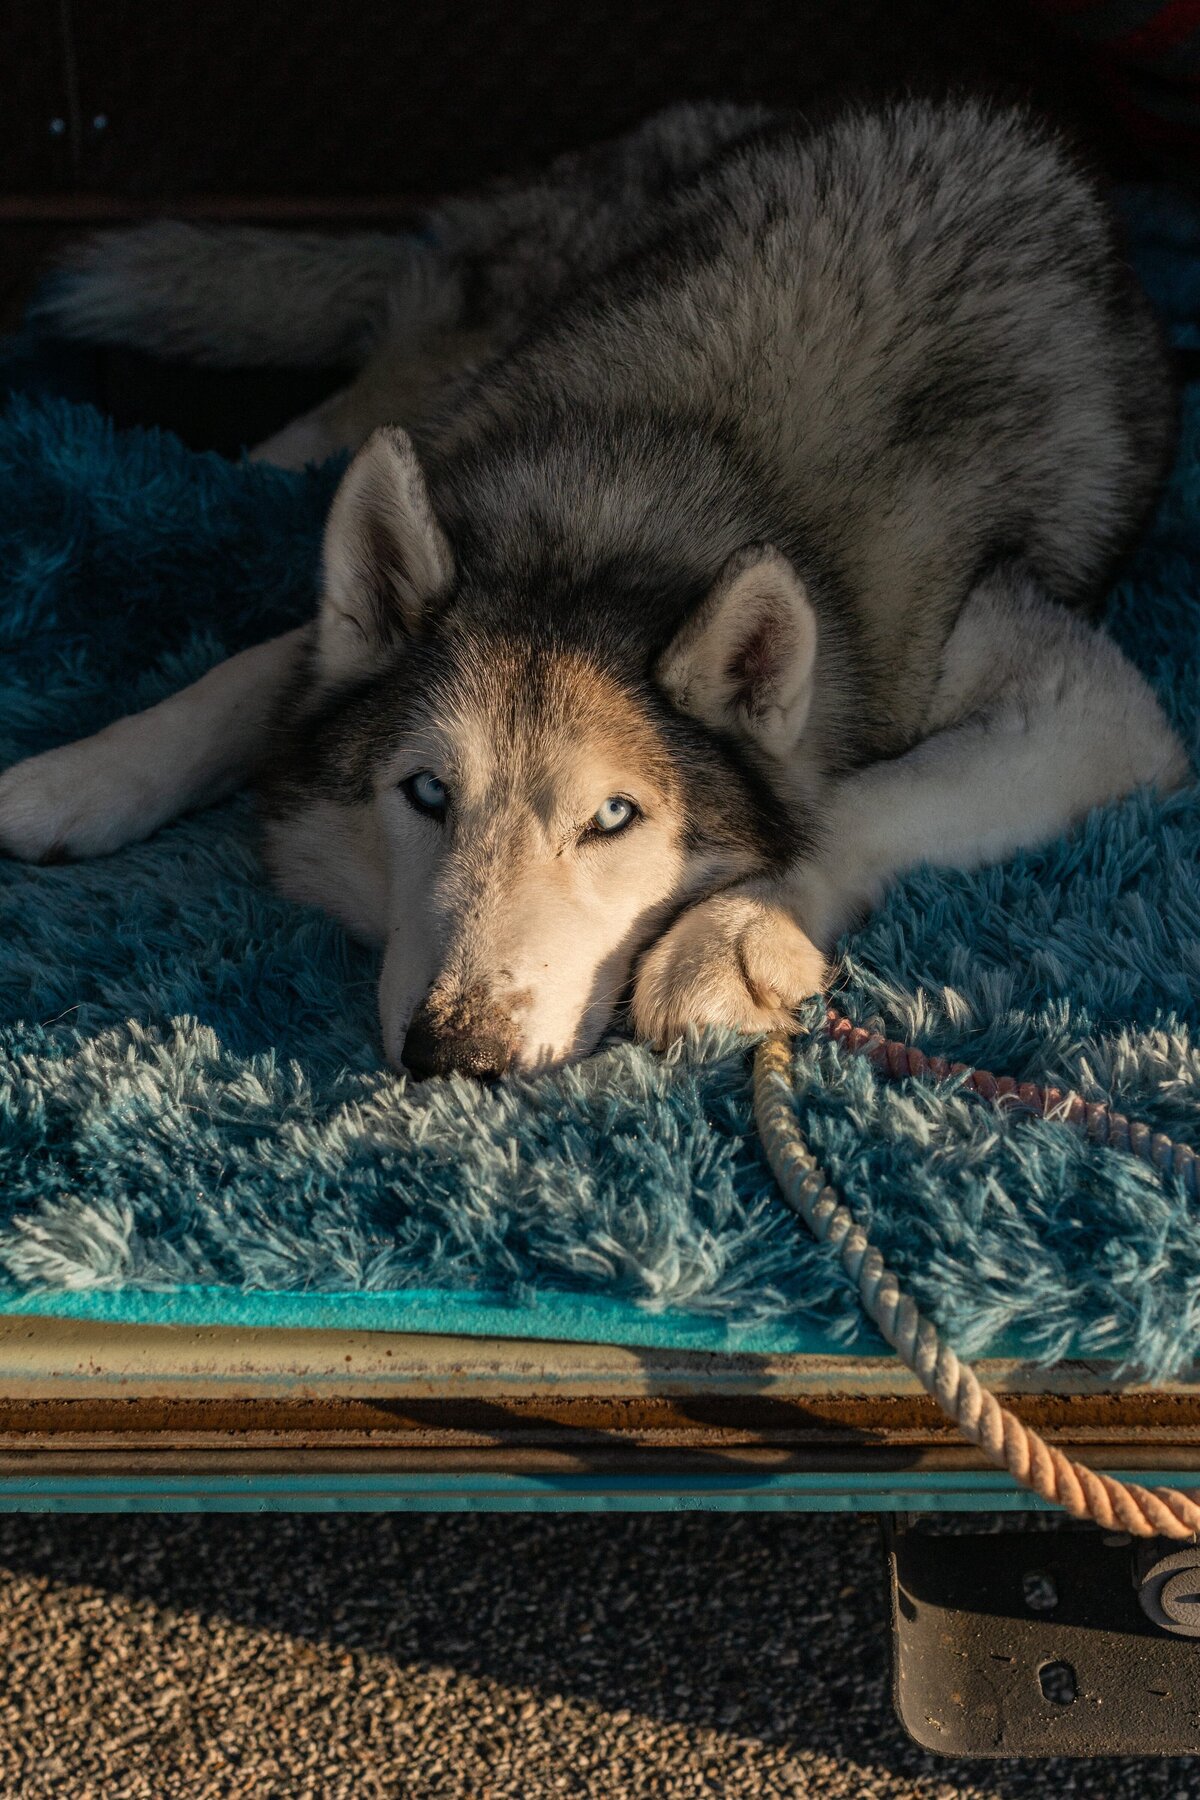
[429,1050]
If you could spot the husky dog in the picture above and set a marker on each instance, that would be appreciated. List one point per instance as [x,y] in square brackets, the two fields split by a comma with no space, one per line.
[731,555]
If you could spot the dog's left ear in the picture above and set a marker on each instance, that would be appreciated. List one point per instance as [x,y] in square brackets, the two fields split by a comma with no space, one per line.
[385,555]
[743,662]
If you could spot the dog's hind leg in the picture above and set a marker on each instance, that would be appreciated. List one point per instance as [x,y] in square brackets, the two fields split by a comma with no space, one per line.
[397,385]
[1037,718]
[93,796]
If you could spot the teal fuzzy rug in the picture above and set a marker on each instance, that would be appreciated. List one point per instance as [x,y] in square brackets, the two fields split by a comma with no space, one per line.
[194,1122]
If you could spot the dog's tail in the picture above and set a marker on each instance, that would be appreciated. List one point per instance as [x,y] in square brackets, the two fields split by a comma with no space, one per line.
[239,296]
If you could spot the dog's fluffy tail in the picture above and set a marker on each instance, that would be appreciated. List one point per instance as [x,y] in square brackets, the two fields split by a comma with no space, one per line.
[240,296]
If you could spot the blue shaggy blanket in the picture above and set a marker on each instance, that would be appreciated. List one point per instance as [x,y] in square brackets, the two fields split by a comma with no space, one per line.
[195,1122]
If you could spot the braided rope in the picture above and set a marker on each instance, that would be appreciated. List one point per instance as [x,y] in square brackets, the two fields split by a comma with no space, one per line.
[1100,1123]
[1035,1464]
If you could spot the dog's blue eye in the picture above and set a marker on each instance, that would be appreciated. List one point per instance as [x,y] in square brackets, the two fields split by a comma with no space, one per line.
[426,793]
[614,815]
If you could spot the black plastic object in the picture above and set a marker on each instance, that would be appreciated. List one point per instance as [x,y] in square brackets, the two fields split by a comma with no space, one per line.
[1024,1643]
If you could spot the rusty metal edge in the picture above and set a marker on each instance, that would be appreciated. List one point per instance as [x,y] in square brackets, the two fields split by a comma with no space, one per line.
[583,1426]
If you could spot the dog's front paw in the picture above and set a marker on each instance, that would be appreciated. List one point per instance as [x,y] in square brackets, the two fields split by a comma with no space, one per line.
[67,803]
[737,960]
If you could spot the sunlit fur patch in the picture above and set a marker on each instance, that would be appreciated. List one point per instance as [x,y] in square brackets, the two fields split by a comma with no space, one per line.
[519,720]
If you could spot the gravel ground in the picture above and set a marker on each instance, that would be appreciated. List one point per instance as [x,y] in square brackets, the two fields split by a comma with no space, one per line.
[482,1657]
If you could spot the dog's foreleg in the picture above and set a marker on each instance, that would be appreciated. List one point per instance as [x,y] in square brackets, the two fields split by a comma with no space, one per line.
[1037,719]
[1042,718]
[93,796]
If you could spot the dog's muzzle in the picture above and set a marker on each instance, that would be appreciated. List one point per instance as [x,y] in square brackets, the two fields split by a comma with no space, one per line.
[468,1040]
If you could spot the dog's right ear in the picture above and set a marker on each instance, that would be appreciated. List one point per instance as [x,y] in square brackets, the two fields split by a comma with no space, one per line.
[385,556]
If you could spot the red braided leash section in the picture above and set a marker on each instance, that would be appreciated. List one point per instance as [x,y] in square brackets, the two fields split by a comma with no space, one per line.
[1097,1121]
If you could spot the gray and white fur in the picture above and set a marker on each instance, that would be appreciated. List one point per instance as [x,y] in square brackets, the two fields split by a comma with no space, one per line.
[759,477]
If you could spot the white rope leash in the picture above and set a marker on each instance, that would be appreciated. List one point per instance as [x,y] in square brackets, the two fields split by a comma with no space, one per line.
[1037,1465]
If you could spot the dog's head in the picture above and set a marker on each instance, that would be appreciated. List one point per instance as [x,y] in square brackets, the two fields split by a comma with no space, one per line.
[518,810]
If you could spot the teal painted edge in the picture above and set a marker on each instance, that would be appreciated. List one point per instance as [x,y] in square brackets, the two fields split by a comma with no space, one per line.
[553,1315]
[913,1491]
